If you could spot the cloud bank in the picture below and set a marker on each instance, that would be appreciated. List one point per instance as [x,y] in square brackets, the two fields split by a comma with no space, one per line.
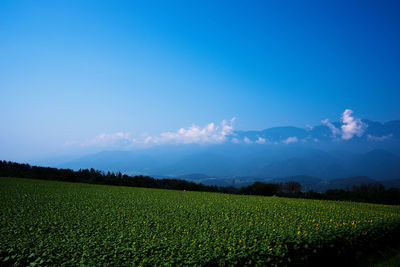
[261,140]
[351,126]
[209,134]
[289,140]
[119,139]
[212,133]
[379,138]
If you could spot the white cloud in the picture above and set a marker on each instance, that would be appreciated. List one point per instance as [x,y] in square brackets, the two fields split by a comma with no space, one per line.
[289,140]
[247,140]
[235,140]
[210,134]
[119,139]
[216,134]
[379,138]
[309,127]
[69,143]
[351,126]
[335,131]
[261,140]
[227,129]
[148,139]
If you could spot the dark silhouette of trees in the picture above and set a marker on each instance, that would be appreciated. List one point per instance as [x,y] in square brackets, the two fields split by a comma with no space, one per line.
[12,169]
[291,187]
[261,189]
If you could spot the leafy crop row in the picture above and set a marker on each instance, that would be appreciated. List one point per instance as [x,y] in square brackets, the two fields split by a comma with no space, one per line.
[53,223]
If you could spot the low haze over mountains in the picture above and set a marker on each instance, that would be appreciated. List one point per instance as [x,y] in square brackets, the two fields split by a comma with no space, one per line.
[329,151]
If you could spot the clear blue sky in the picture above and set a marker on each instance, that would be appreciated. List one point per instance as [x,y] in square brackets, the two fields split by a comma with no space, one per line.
[70,70]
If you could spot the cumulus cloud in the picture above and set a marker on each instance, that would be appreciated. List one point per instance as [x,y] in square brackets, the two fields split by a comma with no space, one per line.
[379,138]
[309,127]
[351,126]
[148,139]
[289,140]
[70,143]
[219,133]
[247,140]
[235,140]
[335,131]
[261,140]
[119,139]
[210,134]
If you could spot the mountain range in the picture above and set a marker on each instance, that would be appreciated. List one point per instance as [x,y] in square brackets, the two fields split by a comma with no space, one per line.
[266,154]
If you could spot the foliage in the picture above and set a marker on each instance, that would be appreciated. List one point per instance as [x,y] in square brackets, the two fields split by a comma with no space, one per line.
[261,189]
[54,223]
[13,169]
[372,193]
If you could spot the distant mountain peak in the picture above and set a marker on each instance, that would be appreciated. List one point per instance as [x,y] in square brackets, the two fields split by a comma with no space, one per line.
[274,152]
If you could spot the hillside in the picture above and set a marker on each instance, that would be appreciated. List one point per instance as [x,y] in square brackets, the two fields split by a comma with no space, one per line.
[104,225]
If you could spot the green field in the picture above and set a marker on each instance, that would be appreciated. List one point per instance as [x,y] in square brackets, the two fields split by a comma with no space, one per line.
[47,223]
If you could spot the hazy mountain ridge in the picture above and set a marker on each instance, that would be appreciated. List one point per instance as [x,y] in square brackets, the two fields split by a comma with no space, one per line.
[374,131]
[312,152]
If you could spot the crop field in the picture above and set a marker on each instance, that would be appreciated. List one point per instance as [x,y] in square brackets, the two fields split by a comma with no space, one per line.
[54,223]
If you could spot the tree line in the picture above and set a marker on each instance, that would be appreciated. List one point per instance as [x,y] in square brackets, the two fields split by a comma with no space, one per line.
[92,176]
[372,193]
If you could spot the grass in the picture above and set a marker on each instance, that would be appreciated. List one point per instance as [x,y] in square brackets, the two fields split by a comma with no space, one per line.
[54,223]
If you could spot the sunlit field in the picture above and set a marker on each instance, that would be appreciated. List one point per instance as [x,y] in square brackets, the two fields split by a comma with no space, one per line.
[48,223]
